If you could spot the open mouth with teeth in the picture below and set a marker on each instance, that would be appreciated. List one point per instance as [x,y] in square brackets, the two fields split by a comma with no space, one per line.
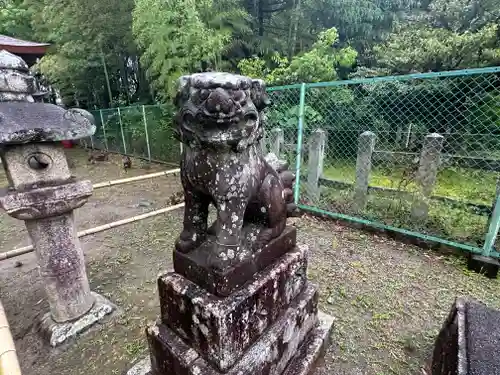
[220,115]
[220,129]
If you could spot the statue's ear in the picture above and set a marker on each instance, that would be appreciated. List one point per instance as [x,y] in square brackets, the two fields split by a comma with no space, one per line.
[182,94]
[259,94]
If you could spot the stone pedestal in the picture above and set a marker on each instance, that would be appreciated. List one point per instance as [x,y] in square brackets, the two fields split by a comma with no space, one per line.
[269,325]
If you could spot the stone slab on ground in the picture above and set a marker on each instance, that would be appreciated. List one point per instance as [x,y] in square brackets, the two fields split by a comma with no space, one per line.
[484,265]
[303,363]
[468,341]
[196,265]
[221,329]
[60,333]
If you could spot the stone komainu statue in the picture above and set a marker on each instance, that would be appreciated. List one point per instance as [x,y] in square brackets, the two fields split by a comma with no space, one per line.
[220,120]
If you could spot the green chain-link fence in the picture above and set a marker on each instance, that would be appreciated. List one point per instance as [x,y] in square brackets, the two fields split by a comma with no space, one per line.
[417,153]
[140,131]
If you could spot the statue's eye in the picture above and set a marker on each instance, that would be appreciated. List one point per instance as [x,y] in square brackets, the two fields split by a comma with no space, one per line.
[238,95]
[245,85]
[204,94]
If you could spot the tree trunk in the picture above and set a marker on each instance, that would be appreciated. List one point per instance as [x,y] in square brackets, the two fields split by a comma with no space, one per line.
[261,18]
[295,28]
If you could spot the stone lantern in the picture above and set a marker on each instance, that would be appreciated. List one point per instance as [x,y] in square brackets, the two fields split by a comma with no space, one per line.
[43,193]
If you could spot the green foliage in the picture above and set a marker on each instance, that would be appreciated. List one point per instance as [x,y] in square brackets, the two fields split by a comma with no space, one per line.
[423,48]
[287,117]
[175,39]
[86,39]
[14,19]
[321,63]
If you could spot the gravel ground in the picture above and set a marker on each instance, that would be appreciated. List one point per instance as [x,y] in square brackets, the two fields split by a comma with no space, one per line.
[389,299]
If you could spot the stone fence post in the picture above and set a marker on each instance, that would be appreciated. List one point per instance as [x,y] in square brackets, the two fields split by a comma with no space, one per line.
[263,142]
[315,165]
[277,140]
[430,160]
[366,146]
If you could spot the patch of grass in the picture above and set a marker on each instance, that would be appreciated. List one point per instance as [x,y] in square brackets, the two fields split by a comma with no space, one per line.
[445,220]
[463,184]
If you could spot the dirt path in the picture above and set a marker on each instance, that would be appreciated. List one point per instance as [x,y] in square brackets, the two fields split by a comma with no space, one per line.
[389,299]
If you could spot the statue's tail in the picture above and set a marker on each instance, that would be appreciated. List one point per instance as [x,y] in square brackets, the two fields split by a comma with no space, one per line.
[287,178]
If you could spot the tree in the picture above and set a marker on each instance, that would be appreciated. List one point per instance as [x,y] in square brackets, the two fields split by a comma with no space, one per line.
[94,60]
[175,40]
[14,19]
[322,63]
[424,48]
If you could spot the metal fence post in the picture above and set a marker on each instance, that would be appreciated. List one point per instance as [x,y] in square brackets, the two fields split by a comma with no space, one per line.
[146,131]
[121,129]
[104,131]
[92,142]
[300,129]
[492,233]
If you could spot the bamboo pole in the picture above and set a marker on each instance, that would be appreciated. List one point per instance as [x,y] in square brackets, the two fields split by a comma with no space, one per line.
[28,249]
[136,178]
[9,364]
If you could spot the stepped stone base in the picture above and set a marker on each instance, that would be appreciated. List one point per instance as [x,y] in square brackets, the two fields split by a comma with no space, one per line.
[221,329]
[302,363]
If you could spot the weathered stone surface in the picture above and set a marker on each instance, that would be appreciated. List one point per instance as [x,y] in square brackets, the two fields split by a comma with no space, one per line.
[48,201]
[219,121]
[468,341]
[303,363]
[317,142]
[16,84]
[312,348]
[42,192]
[222,329]
[239,301]
[24,122]
[141,367]
[430,161]
[34,165]
[62,266]
[197,265]
[12,62]
[59,333]
[268,356]
[366,146]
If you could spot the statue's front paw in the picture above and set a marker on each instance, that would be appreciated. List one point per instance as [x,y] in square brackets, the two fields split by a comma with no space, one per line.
[213,229]
[188,242]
